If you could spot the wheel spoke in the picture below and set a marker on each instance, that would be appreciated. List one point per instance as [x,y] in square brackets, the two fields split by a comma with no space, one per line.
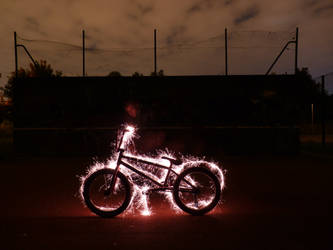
[98,196]
[197,190]
[196,204]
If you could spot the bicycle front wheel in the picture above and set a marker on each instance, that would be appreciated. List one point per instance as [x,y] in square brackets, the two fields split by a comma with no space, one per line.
[197,190]
[98,196]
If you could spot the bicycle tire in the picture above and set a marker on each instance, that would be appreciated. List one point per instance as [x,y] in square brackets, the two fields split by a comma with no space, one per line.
[211,185]
[123,190]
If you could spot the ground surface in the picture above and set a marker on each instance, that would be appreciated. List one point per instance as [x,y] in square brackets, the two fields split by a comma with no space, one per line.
[270,202]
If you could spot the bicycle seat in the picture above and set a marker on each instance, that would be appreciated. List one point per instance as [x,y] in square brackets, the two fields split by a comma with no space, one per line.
[173,160]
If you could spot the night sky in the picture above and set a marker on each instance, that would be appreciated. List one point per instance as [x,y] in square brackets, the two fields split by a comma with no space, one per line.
[190,35]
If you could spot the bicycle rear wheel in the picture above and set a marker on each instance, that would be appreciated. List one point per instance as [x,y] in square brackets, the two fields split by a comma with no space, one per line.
[98,197]
[197,190]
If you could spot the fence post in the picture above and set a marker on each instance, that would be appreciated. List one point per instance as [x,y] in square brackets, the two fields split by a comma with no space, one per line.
[312,117]
[155,63]
[83,54]
[15,51]
[323,112]
[226,50]
[296,51]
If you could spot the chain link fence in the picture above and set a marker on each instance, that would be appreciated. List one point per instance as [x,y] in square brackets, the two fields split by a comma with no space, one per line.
[318,126]
[258,49]
[328,106]
[248,52]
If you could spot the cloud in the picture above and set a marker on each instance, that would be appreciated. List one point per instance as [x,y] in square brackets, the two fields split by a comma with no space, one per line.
[144,9]
[323,9]
[248,14]
[139,10]
[228,2]
[129,24]
[175,33]
[32,22]
[194,8]
[206,5]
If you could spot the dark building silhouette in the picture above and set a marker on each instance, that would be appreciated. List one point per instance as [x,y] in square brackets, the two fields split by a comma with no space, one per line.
[81,114]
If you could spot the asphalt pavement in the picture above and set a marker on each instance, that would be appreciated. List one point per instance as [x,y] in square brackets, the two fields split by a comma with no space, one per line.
[270,202]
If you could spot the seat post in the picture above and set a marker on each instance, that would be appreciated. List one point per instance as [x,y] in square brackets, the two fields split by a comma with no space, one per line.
[167,176]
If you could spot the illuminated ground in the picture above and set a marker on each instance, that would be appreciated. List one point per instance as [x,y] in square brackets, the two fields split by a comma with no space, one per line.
[271,202]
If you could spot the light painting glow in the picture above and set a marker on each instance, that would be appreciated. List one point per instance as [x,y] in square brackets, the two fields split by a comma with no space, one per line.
[199,182]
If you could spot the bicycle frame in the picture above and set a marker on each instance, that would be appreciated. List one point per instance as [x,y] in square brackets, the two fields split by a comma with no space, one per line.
[200,179]
[162,186]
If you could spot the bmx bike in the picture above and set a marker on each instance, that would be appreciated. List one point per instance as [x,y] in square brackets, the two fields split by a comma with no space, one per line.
[195,185]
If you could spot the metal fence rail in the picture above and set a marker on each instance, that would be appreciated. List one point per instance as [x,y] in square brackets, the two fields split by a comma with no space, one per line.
[230,52]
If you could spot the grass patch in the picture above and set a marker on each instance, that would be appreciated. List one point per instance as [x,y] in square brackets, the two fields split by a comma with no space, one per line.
[313,144]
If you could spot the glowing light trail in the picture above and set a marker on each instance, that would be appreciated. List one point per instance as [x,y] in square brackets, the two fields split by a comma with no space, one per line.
[141,187]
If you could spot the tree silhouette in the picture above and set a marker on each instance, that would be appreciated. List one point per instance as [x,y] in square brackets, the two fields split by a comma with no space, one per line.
[114,74]
[311,90]
[39,69]
[137,74]
[159,73]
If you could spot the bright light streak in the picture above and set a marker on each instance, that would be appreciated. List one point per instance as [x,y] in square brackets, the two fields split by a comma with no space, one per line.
[128,135]
[144,201]
[140,196]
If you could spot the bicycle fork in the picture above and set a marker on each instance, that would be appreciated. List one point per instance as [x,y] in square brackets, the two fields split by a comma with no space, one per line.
[112,186]
[167,175]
